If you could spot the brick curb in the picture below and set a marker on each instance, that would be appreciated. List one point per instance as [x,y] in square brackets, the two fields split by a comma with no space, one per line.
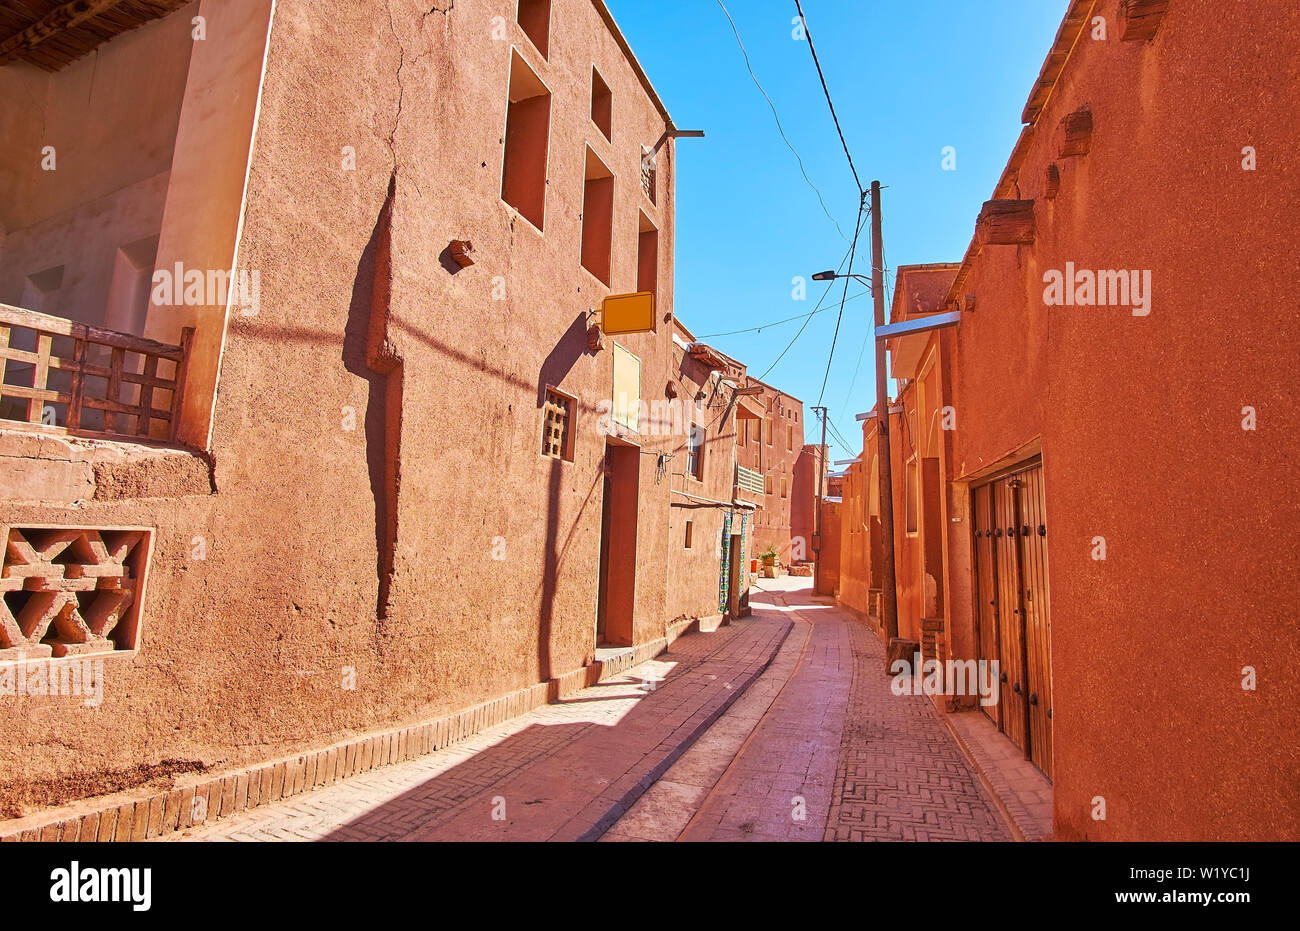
[138,815]
[624,803]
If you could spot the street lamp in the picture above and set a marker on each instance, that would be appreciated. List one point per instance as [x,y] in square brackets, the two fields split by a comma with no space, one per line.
[831,276]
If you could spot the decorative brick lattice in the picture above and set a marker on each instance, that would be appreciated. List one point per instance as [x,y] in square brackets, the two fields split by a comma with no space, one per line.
[70,591]
[555,428]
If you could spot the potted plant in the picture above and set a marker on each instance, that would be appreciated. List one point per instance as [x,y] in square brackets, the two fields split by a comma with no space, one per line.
[768,556]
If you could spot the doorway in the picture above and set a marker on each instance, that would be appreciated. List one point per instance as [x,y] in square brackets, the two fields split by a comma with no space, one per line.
[1013,617]
[616,600]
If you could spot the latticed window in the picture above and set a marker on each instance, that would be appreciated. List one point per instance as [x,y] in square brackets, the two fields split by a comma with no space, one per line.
[557,432]
[71,591]
[648,173]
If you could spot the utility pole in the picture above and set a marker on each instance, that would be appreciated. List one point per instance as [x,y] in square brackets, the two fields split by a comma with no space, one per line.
[889,589]
[817,515]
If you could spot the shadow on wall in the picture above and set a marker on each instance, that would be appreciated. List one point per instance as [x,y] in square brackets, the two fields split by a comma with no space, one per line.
[365,354]
[560,360]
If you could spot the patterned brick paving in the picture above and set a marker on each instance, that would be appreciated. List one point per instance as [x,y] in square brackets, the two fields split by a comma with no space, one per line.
[556,773]
[865,764]
[901,775]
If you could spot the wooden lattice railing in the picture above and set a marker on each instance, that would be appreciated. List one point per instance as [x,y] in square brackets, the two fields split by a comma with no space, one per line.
[748,480]
[62,376]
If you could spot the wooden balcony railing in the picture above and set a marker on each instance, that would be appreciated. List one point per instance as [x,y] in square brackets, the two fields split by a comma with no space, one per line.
[62,376]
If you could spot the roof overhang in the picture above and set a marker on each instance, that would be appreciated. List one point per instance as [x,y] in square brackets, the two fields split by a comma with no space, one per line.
[909,339]
[51,35]
[748,409]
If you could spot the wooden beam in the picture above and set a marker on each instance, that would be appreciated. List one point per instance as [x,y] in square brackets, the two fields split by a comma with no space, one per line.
[1141,18]
[1005,223]
[1053,184]
[60,19]
[1074,135]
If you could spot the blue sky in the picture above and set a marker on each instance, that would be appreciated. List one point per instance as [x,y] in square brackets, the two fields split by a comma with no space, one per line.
[908,77]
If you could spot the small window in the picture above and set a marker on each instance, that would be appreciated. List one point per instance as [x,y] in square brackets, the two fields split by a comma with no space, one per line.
[695,452]
[557,426]
[690,526]
[767,484]
[648,173]
[597,218]
[528,122]
[647,256]
[602,104]
[913,495]
[789,438]
[534,19]
[768,427]
[785,488]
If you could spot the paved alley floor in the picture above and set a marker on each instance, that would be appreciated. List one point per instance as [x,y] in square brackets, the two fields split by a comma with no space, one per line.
[819,748]
[778,727]
[564,771]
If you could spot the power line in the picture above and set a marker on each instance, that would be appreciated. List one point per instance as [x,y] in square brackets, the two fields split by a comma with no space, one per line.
[779,128]
[853,247]
[825,90]
[765,326]
[793,339]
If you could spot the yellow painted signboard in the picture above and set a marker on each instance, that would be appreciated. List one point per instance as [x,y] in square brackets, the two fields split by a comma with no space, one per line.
[628,313]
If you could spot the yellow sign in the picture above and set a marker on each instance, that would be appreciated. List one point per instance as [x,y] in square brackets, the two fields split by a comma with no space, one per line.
[628,313]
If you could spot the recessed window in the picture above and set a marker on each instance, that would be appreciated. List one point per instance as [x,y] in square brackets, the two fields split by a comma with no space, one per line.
[602,105]
[789,438]
[785,487]
[690,527]
[648,172]
[647,256]
[597,218]
[557,426]
[528,122]
[695,452]
[912,495]
[767,426]
[767,484]
[535,20]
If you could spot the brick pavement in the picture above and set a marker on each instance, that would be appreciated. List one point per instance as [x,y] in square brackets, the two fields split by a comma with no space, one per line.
[561,772]
[830,743]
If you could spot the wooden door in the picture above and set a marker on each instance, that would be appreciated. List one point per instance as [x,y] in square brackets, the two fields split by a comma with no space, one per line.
[1010,627]
[1013,612]
[986,597]
[1038,627]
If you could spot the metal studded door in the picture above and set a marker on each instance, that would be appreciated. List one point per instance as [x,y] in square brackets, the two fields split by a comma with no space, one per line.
[1010,615]
[986,596]
[1013,615]
[1038,626]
